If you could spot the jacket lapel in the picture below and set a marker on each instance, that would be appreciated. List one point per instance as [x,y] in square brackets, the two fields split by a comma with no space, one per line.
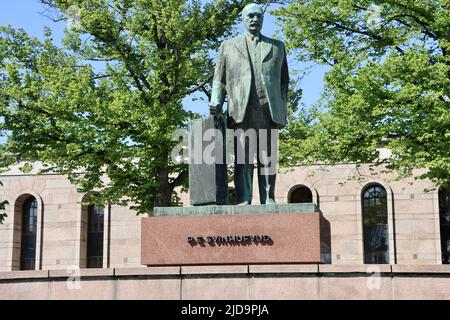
[266,48]
[241,46]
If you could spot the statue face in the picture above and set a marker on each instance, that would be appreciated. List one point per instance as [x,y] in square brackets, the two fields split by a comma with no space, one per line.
[253,17]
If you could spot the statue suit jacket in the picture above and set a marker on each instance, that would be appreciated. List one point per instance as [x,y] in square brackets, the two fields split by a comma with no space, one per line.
[233,76]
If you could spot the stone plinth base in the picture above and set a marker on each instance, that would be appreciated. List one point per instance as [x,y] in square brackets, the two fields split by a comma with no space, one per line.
[281,234]
[238,282]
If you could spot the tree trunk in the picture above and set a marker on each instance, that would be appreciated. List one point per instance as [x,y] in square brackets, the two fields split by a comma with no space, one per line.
[163,192]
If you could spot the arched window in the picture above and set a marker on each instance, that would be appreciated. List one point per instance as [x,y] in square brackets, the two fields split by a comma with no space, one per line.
[300,194]
[28,234]
[444,219]
[95,227]
[375,225]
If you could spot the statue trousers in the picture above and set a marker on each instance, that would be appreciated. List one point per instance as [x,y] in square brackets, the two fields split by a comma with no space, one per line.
[255,144]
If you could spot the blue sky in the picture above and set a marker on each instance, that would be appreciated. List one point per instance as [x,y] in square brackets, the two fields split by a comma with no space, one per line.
[26,14]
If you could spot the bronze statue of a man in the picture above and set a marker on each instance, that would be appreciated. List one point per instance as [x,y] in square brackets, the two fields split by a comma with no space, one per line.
[252,72]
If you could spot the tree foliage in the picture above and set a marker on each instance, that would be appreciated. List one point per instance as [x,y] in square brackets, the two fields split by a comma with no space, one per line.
[4,164]
[388,84]
[101,108]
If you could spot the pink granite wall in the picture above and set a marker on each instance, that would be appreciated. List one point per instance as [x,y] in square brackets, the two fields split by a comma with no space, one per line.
[241,282]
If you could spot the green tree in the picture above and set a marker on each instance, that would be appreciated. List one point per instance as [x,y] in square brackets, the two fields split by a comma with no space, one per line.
[3,205]
[110,130]
[388,84]
[4,164]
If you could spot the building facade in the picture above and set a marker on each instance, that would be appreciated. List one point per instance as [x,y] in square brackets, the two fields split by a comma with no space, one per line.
[374,218]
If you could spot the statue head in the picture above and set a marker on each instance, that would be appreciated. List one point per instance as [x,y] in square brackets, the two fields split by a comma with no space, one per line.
[253,16]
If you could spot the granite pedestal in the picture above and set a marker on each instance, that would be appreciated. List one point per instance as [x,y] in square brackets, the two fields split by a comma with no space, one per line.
[256,234]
